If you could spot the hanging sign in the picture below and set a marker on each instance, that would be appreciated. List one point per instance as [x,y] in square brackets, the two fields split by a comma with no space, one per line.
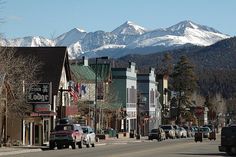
[39,93]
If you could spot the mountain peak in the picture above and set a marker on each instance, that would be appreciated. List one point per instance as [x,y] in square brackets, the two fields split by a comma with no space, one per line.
[129,28]
[79,30]
[128,22]
[183,25]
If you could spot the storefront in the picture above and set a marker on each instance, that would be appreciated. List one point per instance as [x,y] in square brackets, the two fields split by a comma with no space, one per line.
[36,128]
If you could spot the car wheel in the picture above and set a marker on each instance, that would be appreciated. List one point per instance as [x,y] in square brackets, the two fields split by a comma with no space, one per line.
[59,146]
[93,144]
[80,144]
[73,145]
[51,145]
[88,144]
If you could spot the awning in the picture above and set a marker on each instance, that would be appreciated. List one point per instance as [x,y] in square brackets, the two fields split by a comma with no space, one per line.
[43,114]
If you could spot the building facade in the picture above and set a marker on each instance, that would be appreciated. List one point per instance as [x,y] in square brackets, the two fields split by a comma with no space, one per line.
[50,98]
[149,106]
[124,83]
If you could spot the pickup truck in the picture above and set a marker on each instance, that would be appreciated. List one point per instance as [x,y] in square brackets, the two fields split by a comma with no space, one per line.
[228,140]
[65,135]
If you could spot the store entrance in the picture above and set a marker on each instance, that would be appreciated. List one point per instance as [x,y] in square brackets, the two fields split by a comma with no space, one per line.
[38,134]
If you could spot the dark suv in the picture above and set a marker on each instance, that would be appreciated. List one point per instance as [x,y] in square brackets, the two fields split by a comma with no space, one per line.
[65,135]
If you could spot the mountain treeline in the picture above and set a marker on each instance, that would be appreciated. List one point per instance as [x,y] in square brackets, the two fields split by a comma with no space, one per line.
[215,65]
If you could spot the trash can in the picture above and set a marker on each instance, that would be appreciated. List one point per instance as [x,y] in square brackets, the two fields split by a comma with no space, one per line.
[112,133]
[131,134]
[198,136]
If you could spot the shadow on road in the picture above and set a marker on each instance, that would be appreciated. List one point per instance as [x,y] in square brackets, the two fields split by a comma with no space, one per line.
[45,149]
[205,154]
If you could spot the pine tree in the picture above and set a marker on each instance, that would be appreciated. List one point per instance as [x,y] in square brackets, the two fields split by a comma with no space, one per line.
[184,83]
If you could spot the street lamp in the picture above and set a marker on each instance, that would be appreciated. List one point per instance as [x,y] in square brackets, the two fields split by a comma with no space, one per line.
[96,90]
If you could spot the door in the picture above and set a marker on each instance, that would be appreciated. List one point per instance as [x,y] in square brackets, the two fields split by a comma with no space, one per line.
[38,134]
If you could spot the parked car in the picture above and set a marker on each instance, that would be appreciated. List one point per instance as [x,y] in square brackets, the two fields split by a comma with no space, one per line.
[194,129]
[89,137]
[183,132]
[205,131]
[158,134]
[177,131]
[189,131]
[65,135]
[169,130]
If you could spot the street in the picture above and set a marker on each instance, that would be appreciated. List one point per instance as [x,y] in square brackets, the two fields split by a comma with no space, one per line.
[168,148]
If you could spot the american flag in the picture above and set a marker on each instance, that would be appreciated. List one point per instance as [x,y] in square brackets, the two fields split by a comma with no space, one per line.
[73,91]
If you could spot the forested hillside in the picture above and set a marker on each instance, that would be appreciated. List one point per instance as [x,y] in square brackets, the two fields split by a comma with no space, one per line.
[215,65]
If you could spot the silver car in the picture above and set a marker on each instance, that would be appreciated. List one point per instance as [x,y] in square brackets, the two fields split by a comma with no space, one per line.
[205,131]
[169,130]
[89,137]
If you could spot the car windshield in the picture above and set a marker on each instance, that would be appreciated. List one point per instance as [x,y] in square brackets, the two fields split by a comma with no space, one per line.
[154,130]
[204,129]
[175,126]
[85,130]
[166,127]
[63,127]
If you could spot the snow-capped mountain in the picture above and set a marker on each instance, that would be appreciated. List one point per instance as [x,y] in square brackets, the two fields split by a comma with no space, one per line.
[129,28]
[28,42]
[185,32]
[127,36]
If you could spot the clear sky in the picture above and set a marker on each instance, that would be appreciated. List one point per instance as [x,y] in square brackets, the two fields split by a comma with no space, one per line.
[50,18]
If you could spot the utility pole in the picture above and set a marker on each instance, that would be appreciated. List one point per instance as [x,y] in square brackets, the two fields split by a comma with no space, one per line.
[96,92]
[61,91]
[138,117]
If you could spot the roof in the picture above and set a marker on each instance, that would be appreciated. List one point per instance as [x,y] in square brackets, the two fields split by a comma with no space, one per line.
[52,58]
[83,73]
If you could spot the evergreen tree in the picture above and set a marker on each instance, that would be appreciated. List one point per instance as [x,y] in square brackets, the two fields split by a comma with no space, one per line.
[184,83]
[166,66]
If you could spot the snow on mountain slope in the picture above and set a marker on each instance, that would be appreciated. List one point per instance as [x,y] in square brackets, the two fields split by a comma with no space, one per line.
[31,42]
[185,32]
[110,46]
[74,50]
[68,38]
[129,28]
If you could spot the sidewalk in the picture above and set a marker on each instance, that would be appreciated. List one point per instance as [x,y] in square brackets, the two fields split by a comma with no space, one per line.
[18,150]
[27,149]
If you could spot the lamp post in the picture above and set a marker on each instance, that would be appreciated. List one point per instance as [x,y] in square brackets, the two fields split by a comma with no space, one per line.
[96,92]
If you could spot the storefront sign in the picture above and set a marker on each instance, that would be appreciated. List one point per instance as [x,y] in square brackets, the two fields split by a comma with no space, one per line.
[39,93]
[42,107]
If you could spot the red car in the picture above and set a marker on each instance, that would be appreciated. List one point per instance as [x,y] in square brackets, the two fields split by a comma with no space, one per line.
[65,135]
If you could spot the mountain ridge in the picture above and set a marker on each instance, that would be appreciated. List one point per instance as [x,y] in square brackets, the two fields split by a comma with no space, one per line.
[127,36]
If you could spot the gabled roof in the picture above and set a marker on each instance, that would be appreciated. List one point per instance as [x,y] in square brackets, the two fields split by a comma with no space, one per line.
[83,73]
[53,60]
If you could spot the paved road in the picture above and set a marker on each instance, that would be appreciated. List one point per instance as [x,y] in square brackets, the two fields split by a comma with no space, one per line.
[168,148]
